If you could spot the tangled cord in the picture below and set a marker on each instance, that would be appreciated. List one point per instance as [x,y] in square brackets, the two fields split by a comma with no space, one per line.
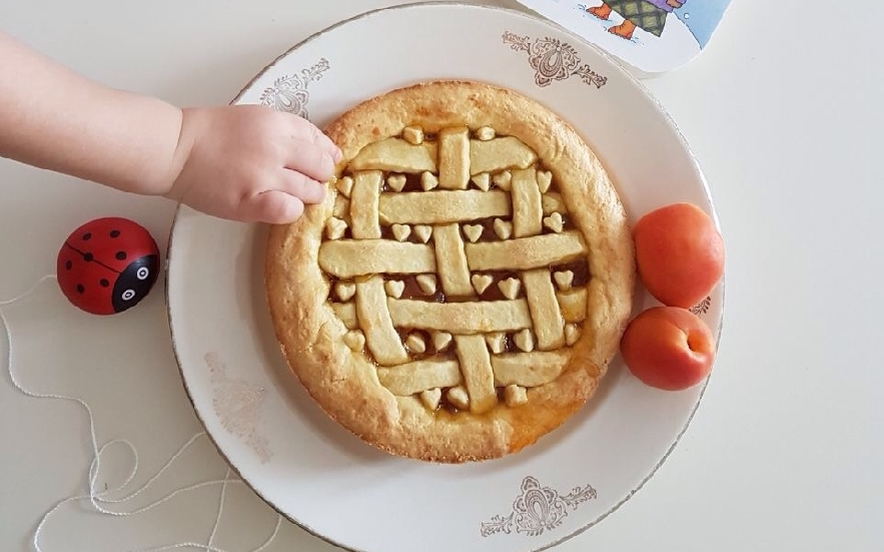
[99,500]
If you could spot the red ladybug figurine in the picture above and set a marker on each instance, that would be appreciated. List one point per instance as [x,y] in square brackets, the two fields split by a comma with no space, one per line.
[108,265]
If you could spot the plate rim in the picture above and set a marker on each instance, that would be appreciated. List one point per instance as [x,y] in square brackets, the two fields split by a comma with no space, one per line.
[616,65]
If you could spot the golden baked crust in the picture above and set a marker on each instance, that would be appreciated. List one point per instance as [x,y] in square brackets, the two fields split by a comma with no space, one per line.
[334,299]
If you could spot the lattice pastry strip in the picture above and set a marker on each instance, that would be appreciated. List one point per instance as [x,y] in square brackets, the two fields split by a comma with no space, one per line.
[454,158]
[528,369]
[523,369]
[371,309]
[443,206]
[366,192]
[549,325]
[499,154]
[572,304]
[463,318]
[451,260]
[527,203]
[396,155]
[344,258]
[475,365]
[526,253]
[349,258]
[422,375]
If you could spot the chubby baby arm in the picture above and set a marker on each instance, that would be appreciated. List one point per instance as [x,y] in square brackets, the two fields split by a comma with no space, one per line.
[246,163]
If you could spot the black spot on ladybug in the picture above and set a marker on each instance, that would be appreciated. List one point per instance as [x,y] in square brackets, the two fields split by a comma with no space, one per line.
[88,257]
[80,288]
[115,233]
[121,255]
[68,265]
[104,282]
[87,236]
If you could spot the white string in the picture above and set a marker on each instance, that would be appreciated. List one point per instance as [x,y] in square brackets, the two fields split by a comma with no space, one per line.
[220,510]
[99,498]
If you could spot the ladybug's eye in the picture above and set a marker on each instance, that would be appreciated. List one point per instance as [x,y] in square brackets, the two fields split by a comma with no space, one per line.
[142,273]
[128,294]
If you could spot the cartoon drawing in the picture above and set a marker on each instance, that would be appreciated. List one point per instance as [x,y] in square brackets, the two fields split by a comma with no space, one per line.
[648,15]
[652,36]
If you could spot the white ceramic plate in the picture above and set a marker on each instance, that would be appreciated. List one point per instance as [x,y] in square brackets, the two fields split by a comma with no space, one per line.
[315,472]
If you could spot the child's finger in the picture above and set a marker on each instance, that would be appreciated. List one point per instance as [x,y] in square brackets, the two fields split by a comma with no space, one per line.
[311,160]
[273,207]
[301,186]
[307,131]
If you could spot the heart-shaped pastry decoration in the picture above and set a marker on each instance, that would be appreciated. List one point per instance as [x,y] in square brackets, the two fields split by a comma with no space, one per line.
[524,340]
[335,228]
[413,135]
[396,182]
[345,290]
[473,232]
[427,283]
[554,222]
[515,395]
[496,342]
[503,180]
[415,342]
[429,181]
[431,398]
[423,232]
[459,397]
[503,229]
[394,288]
[441,340]
[401,231]
[485,133]
[481,282]
[564,279]
[482,181]
[509,287]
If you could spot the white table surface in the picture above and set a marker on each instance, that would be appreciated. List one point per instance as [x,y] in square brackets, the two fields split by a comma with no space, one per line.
[784,112]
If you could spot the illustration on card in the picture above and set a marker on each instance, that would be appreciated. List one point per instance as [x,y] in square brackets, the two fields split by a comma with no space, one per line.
[651,16]
[653,35]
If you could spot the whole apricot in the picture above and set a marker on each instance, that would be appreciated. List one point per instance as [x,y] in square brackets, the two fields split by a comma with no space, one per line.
[679,254]
[669,348]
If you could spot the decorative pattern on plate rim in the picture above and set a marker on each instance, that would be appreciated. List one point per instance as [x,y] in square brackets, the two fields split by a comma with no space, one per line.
[552,60]
[703,306]
[239,406]
[537,509]
[289,93]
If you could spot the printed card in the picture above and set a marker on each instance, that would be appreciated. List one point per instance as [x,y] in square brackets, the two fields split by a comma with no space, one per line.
[652,36]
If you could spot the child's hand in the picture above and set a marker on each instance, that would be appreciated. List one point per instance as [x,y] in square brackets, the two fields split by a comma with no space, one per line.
[251,163]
